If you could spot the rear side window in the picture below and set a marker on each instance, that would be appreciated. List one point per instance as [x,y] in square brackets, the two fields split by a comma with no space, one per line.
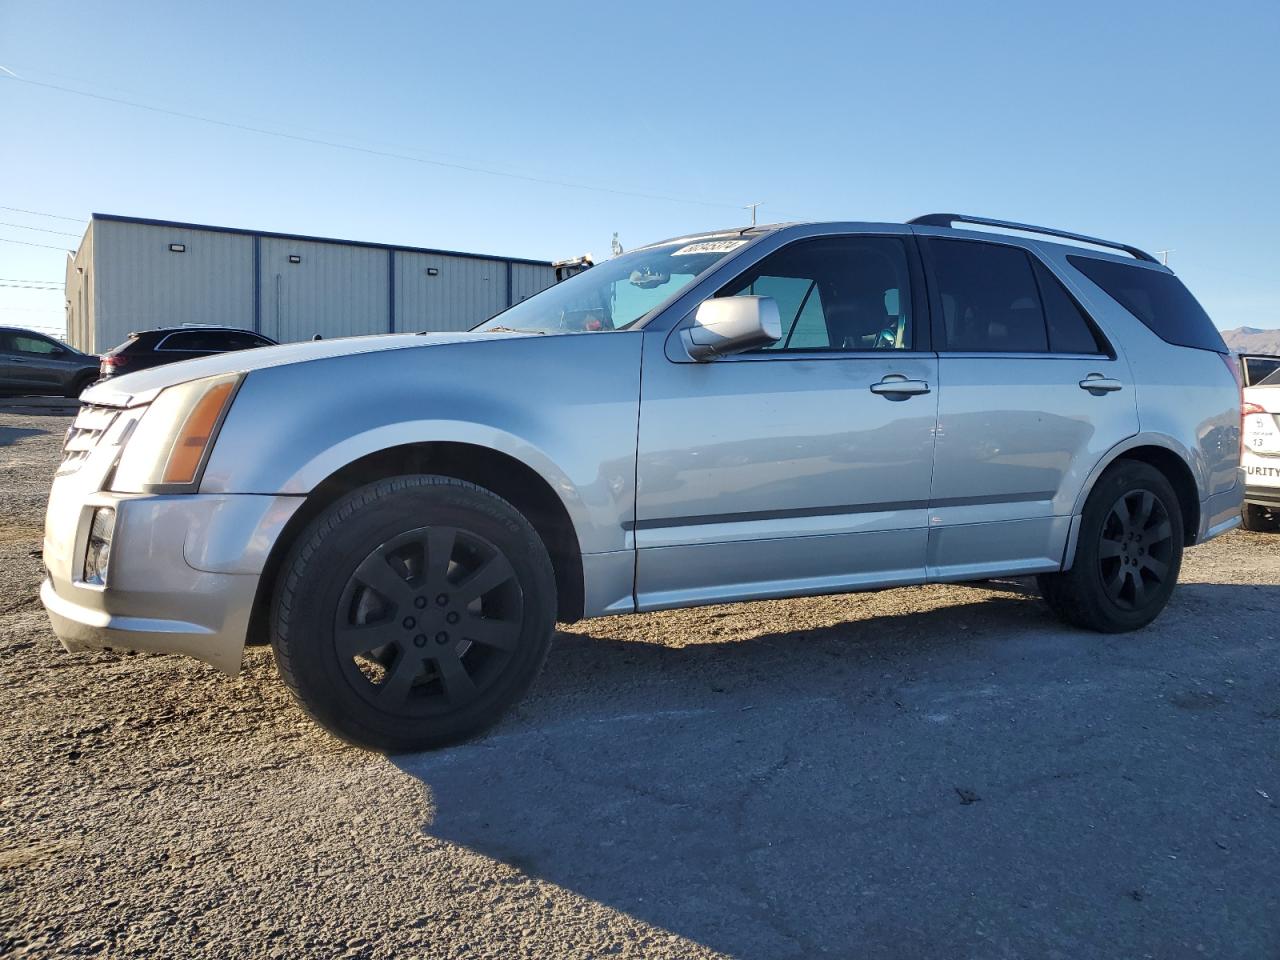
[241,341]
[989,298]
[209,341]
[1158,299]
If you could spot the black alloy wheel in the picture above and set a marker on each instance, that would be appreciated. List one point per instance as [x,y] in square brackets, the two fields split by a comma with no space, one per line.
[413,612]
[428,620]
[1128,552]
[1135,548]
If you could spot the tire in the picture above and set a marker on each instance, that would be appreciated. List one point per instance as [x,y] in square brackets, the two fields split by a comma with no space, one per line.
[392,649]
[1259,519]
[1128,553]
[80,385]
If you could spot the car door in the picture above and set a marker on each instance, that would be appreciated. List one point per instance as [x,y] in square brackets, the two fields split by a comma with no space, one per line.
[803,467]
[40,364]
[1031,398]
[13,370]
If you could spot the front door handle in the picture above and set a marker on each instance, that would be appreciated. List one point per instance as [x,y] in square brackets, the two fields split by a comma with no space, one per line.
[1097,384]
[897,387]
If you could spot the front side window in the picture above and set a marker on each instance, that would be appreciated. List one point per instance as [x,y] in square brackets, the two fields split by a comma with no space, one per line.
[845,294]
[35,345]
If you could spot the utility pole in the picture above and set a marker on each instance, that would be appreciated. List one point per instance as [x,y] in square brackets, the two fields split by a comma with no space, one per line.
[752,208]
[1164,255]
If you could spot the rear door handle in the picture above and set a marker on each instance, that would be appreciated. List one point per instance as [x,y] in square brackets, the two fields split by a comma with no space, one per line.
[897,387]
[1097,383]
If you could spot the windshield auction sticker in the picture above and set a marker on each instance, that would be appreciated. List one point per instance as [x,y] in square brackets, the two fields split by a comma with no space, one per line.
[709,246]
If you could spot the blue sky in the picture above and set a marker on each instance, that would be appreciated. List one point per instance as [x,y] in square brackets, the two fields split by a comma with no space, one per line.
[1154,124]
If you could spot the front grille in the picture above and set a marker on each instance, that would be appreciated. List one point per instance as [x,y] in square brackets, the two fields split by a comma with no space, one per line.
[85,432]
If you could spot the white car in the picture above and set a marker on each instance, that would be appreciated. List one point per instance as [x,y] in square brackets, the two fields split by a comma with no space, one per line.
[1260,454]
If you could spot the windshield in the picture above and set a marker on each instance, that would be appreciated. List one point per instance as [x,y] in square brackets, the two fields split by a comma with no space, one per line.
[616,293]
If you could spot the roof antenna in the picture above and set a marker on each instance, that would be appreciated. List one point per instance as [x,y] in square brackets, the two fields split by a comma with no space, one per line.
[1164,255]
[752,208]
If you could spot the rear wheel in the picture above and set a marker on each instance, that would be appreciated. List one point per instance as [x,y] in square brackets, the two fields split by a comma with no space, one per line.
[413,612]
[1259,519]
[80,385]
[1128,553]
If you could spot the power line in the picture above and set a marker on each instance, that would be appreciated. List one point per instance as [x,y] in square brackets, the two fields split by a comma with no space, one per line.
[28,243]
[368,150]
[25,280]
[29,286]
[41,213]
[23,226]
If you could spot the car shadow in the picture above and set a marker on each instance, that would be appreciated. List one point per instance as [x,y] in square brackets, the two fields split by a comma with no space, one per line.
[893,785]
[11,435]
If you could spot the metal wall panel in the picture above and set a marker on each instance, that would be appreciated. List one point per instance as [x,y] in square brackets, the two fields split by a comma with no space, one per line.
[528,279]
[463,291]
[334,290]
[139,283]
[78,291]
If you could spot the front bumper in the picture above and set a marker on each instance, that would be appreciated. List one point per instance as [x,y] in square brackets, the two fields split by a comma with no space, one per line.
[183,573]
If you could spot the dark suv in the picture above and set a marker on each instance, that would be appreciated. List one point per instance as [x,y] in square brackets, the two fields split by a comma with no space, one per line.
[31,363]
[151,348]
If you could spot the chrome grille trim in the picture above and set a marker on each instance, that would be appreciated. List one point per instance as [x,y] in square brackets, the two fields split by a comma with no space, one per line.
[83,435]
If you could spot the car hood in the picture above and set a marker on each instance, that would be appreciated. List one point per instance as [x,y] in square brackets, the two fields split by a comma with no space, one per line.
[134,389]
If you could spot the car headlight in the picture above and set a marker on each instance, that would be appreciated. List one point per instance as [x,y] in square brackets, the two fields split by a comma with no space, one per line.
[167,449]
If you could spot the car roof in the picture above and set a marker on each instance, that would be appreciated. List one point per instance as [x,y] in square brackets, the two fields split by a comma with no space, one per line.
[159,333]
[945,224]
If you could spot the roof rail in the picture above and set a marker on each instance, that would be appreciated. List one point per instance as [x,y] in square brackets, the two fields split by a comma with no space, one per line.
[947,219]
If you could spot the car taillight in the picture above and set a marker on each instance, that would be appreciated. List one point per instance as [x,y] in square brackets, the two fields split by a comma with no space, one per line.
[112,363]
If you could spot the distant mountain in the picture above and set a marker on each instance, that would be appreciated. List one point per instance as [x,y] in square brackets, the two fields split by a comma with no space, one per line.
[1253,340]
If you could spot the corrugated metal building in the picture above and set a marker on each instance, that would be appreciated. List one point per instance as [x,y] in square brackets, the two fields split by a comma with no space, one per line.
[134,274]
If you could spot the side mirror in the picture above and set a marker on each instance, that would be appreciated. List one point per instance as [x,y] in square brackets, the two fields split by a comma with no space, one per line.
[724,325]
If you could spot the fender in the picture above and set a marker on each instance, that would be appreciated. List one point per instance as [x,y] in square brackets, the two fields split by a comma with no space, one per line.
[1163,441]
[564,406]
[1187,456]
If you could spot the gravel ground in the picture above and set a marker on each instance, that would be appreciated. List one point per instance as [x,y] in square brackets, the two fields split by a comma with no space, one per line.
[933,771]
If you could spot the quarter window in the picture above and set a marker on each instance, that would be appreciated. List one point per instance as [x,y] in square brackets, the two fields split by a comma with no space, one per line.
[1156,298]
[846,294]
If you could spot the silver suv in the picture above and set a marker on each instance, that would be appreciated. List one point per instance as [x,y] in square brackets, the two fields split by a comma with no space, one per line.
[770,412]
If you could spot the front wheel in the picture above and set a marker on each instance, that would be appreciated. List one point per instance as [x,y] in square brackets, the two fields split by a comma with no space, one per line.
[411,613]
[1128,554]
